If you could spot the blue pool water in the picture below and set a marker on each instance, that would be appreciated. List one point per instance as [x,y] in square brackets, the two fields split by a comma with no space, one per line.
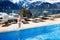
[50,32]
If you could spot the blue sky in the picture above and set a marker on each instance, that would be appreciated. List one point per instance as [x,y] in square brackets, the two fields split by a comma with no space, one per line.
[50,1]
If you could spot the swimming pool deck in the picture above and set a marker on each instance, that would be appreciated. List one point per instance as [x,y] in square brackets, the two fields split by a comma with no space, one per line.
[14,27]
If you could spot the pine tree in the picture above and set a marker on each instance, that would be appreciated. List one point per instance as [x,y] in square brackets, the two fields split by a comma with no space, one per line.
[25,13]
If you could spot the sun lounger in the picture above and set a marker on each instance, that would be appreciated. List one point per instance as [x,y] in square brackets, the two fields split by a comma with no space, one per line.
[41,20]
[25,22]
[37,20]
[56,15]
[26,19]
[48,17]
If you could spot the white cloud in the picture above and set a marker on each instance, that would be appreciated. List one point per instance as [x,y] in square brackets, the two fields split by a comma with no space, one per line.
[52,1]
[15,1]
[31,1]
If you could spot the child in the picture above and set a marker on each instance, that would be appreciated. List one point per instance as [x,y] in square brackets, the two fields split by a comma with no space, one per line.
[19,21]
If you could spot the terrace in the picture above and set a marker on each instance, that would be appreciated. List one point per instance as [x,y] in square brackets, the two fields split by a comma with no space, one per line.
[14,27]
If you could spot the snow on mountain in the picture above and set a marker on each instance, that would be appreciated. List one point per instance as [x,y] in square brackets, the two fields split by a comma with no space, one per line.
[38,4]
[26,3]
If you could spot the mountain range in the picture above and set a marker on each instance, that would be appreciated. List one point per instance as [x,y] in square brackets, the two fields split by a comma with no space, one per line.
[7,5]
[28,5]
[39,5]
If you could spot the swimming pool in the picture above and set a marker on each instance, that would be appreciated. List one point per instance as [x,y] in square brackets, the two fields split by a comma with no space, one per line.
[50,32]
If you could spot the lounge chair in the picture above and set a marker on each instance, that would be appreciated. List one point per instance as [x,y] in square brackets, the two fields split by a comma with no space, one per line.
[41,20]
[47,17]
[37,20]
[26,19]
[25,22]
[56,15]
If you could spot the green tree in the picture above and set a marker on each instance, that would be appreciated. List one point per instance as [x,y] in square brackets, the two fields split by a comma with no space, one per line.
[25,12]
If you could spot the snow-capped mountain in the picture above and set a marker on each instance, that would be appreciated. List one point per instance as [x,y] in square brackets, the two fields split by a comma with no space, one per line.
[29,4]
[57,4]
[7,5]
[37,4]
